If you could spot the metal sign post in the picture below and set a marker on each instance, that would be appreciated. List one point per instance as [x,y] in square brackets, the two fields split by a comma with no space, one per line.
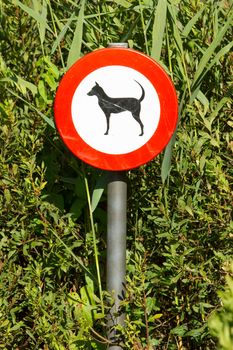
[116,250]
[116,244]
[116,109]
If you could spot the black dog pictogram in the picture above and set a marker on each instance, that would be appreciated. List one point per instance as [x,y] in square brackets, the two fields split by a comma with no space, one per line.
[118,104]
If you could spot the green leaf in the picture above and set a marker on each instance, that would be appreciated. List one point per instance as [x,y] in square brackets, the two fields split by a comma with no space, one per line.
[195,332]
[123,3]
[21,84]
[4,323]
[7,196]
[202,98]
[98,191]
[179,330]
[154,317]
[52,68]
[42,90]
[40,18]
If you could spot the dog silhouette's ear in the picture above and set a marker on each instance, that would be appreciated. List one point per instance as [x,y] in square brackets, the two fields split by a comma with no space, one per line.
[96,84]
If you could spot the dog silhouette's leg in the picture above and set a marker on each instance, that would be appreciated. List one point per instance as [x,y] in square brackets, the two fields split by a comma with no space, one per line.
[108,122]
[137,118]
[142,127]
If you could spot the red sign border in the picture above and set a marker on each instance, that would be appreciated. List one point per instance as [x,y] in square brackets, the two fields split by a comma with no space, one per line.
[120,57]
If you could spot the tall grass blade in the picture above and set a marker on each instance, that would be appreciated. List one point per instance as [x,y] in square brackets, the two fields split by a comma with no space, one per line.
[42,28]
[61,34]
[75,49]
[94,243]
[143,26]
[42,9]
[215,60]
[218,55]
[166,163]
[60,26]
[219,106]
[179,45]
[175,27]
[209,52]
[204,100]
[192,23]
[159,29]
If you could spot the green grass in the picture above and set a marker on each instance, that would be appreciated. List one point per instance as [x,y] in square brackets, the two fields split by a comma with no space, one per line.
[53,207]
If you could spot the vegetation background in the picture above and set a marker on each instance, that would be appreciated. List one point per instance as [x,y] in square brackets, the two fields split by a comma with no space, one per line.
[53,207]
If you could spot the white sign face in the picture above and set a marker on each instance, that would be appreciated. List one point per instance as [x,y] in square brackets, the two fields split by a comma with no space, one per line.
[115,109]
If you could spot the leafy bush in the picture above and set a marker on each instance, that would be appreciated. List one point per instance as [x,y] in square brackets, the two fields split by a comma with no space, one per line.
[179,238]
[221,322]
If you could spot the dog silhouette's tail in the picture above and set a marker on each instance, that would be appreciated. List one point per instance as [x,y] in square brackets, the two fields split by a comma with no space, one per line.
[143,92]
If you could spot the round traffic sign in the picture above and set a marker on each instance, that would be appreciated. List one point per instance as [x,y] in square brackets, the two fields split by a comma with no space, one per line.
[116,109]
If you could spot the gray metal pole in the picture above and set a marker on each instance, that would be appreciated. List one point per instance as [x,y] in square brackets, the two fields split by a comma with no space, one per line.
[116,249]
[116,245]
